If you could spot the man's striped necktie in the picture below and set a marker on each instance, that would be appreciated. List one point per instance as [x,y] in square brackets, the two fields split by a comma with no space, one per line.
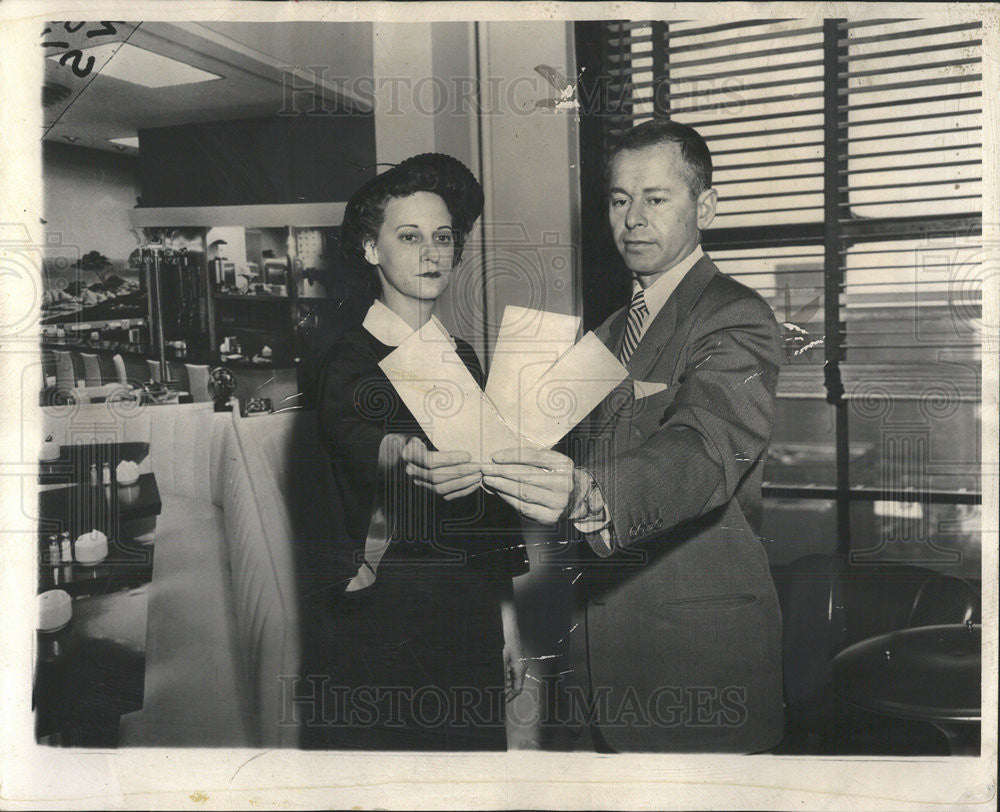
[637,313]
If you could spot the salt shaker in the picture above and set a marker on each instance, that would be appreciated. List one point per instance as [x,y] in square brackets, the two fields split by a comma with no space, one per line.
[54,557]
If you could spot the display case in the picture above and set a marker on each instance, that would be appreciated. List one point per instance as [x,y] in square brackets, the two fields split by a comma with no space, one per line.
[272,291]
[249,275]
[173,263]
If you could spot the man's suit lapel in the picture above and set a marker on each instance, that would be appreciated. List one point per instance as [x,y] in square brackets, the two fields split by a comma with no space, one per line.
[648,350]
[662,335]
[612,333]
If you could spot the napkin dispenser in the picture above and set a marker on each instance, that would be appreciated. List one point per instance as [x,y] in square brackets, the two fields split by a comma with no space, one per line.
[91,548]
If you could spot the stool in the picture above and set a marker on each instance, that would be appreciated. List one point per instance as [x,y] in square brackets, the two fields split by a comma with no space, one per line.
[945,599]
[120,369]
[91,369]
[65,375]
[198,382]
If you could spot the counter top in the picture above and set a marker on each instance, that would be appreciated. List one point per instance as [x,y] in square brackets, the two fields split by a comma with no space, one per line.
[172,355]
[95,346]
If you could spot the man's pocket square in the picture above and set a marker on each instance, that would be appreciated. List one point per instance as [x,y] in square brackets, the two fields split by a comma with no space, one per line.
[643,389]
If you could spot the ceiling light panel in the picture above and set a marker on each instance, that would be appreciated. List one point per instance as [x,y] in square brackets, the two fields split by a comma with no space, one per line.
[141,67]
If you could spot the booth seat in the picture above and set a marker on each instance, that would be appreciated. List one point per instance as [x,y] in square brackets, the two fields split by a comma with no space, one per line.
[223,642]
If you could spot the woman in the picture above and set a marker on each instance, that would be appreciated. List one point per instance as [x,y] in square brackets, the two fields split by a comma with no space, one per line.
[426,639]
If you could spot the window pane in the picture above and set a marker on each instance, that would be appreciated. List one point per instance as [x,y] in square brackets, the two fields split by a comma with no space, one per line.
[927,442]
[912,312]
[743,88]
[796,527]
[802,449]
[944,538]
[913,301]
[914,101]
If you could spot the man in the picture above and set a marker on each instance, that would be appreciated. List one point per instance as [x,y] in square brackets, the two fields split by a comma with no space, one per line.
[677,644]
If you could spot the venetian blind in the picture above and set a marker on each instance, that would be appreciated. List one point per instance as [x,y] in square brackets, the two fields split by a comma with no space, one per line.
[754,90]
[909,163]
[848,164]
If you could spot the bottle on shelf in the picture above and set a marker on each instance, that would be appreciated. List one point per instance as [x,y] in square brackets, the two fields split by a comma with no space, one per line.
[65,547]
[66,554]
[54,558]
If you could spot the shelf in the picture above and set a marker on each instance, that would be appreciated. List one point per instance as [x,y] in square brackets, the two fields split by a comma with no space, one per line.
[250,297]
[272,215]
[246,363]
[271,331]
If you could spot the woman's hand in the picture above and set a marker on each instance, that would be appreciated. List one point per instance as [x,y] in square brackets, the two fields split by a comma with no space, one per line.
[449,474]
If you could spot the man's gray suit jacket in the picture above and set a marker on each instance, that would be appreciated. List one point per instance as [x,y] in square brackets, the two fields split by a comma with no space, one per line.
[681,615]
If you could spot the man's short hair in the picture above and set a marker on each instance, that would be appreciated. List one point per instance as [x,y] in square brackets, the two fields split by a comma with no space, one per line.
[694,150]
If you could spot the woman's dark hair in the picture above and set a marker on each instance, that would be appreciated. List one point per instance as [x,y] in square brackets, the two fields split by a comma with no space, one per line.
[430,172]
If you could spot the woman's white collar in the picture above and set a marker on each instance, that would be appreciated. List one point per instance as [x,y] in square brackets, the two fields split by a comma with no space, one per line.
[389,328]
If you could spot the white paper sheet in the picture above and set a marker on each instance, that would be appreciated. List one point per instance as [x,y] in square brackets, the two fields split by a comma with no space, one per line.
[457,415]
[528,343]
[443,396]
[567,392]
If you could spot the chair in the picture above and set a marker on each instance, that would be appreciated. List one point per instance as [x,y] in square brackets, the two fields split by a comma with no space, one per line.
[945,599]
[92,369]
[154,369]
[65,375]
[198,382]
[814,626]
[120,369]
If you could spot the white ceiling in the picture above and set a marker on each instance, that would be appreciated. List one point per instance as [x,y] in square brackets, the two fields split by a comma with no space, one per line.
[256,60]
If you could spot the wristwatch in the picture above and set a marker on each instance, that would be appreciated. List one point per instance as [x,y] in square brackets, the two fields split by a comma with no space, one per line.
[593,499]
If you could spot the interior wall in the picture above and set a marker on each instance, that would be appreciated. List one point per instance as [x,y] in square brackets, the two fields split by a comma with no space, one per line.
[470,90]
[530,169]
[401,58]
[87,197]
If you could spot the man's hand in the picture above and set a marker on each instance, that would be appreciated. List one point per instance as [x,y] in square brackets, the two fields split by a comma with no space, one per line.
[537,483]
[447,473]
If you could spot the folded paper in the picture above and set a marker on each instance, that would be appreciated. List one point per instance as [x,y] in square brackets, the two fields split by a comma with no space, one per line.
[568,391]
[540,387]
[528,343]
[442,395]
